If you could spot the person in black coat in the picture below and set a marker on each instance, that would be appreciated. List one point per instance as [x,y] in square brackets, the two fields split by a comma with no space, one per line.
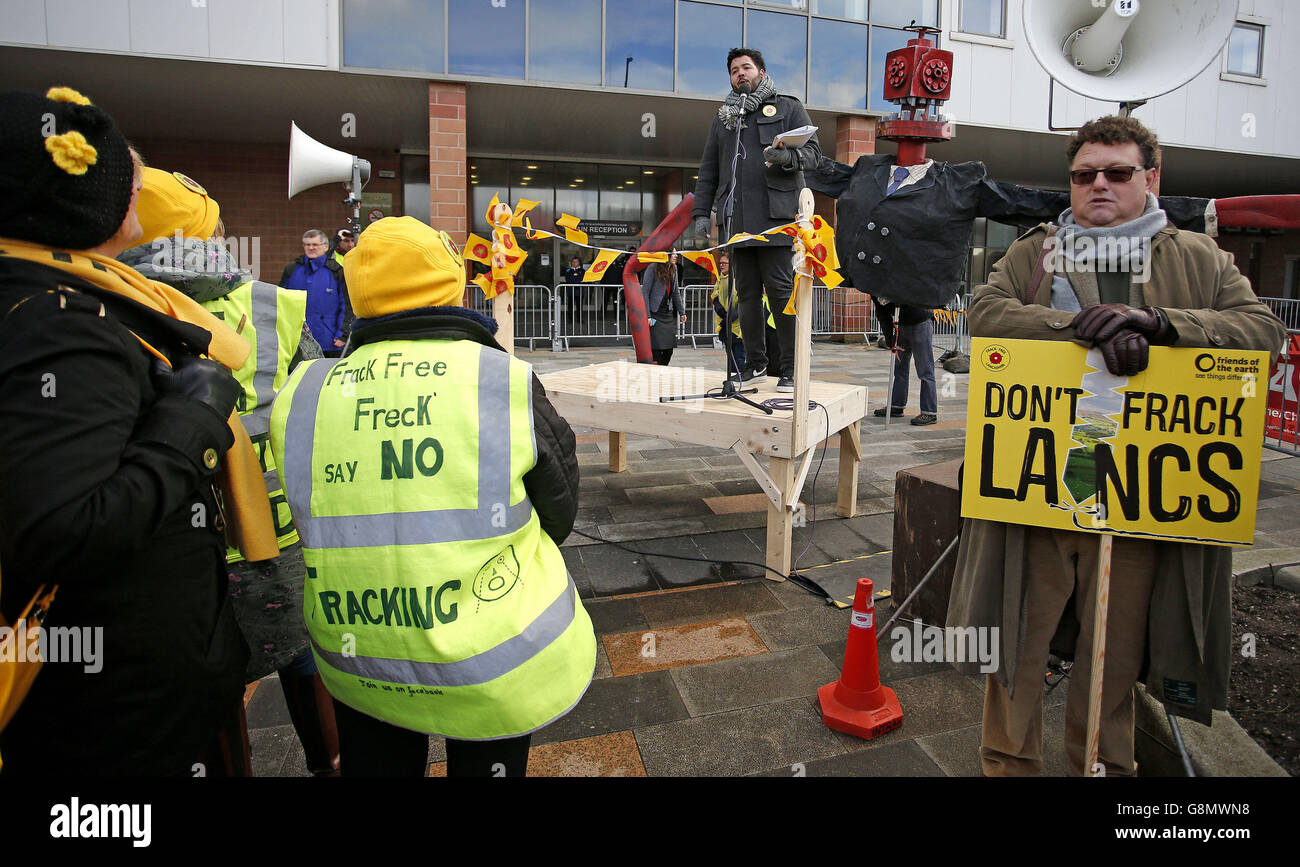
[766,195]
[109,455]
[664,302]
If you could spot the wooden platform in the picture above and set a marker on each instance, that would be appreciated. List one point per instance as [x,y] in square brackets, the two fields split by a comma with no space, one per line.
[624,397]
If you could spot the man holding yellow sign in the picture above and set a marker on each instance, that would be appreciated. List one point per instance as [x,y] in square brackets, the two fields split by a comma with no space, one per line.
[1116,437]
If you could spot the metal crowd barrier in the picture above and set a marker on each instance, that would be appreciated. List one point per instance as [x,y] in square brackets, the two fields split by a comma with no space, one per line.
[533,317]
[950,329]
[592,311]
[1286,309]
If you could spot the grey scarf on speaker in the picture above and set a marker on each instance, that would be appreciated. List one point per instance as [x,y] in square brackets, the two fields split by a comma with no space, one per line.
[737,103]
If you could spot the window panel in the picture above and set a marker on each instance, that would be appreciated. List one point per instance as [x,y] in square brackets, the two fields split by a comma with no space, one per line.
[393,34]
[855,9]
[883,41]
[576,190]
[1245,48]
[620,193]
[783,40]
[643,31]
[983,16]
[901,12]
[705,33]
[839,64]
[486,179]
[564,41]
[486,40]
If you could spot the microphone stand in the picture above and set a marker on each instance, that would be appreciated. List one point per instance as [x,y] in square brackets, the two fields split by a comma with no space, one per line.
[730,389]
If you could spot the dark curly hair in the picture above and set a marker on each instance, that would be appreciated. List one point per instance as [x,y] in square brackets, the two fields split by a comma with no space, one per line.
[753,54]
[1112,130]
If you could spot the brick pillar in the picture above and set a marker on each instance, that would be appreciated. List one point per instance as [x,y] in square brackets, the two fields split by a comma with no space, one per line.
[448,194]
[855,136]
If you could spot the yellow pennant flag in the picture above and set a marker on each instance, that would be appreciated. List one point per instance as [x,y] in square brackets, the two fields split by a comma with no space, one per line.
[521,210]
[572,233]
[745,236]
[599,266]
[652,257]
[704,260]
[479,250]
[533,234]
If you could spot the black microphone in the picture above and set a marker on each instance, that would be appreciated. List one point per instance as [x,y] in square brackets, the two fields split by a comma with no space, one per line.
[745,88]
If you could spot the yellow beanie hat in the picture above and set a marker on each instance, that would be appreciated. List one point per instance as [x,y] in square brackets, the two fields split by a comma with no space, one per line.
[400,263]
[170,201]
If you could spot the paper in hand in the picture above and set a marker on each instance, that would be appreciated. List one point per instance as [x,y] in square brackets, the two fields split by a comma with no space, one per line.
[794,138]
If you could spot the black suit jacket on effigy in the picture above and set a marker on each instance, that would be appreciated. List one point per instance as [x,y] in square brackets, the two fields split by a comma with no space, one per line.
[912,247]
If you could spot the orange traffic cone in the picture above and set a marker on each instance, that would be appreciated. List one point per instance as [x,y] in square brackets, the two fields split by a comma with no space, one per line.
[857,703]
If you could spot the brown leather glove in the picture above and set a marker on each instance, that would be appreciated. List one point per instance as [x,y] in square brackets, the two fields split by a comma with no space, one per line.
[1102,322]
[1126,352]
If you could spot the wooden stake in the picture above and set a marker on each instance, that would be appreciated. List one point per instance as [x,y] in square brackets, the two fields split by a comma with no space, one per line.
[503,311]
[1100,610]
[803,334]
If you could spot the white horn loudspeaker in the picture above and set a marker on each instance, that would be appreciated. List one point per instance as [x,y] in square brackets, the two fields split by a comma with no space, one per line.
[1128,51]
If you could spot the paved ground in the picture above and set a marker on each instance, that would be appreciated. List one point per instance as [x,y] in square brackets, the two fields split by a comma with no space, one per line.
[730,688]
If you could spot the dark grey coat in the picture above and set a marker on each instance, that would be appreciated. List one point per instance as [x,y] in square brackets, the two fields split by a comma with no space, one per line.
[768,196]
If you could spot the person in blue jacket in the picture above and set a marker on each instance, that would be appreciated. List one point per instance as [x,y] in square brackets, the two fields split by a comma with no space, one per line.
[318,274]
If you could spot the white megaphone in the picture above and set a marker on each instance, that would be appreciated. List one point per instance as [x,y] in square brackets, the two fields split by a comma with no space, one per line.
[1128,51]
[312,164]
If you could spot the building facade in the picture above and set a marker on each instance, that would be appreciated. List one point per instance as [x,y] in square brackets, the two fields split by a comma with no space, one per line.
[599,108]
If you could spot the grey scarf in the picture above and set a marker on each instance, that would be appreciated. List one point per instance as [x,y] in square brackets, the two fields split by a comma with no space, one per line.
[736,102]
[1081,253]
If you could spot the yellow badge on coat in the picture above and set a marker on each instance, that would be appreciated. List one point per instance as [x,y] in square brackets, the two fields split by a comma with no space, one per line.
[769,110]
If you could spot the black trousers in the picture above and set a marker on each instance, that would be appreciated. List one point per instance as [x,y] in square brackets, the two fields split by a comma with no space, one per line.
[662,356]
[373,748]
[755,269]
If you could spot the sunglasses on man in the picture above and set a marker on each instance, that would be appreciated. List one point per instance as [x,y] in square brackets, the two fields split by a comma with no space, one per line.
[1114,174]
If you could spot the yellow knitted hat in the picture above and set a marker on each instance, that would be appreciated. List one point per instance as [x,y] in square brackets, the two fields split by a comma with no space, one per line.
[400,263]
[170,201]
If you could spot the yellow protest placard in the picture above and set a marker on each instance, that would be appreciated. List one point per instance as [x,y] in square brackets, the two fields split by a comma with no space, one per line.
[1054,440]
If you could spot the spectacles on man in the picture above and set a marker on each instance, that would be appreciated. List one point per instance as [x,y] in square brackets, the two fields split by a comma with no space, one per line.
[1114,174]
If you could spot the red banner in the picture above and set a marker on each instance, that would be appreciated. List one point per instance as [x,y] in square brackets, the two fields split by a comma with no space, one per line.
[1281,423]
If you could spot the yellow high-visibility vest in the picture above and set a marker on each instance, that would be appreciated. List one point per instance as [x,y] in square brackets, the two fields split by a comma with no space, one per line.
[271,320]
[434,600]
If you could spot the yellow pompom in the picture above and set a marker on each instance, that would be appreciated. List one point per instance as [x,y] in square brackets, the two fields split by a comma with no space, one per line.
[66,94]
[72,152]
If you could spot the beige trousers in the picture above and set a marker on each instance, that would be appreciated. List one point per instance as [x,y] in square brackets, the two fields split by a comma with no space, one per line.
[1063,564]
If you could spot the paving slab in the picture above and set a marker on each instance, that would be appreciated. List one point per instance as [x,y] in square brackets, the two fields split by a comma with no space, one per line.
[754,680]
[904,759]
[612,571]
[621,614]
[801,627]
[932,703]
[956,752]
[677,646]
[737,742]
[707,603]
[617,704]
[739,556]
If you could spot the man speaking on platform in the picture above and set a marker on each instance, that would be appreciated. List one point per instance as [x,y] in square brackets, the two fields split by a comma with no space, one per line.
[754,185]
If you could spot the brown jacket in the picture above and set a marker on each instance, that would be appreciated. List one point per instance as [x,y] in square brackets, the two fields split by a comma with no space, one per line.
[1189,627]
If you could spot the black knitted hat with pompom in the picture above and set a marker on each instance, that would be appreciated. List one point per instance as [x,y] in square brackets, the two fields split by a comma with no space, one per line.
[68,193]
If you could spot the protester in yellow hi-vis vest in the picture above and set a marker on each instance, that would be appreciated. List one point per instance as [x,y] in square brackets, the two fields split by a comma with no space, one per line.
[185,246]
[431,482]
